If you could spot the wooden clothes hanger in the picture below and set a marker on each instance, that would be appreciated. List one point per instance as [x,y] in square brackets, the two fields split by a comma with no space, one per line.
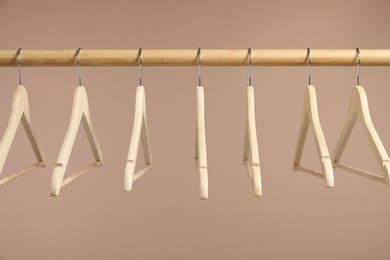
[251,151]
[310,115]
[200,144]
[359,109]
[140,131]
[80,113]
[20,112]
[200,136]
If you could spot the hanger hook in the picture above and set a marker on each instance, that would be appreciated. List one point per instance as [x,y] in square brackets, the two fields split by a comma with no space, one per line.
[140,66]
[199,67]
[78,65]
[309,65]
[358,67]
[19,66]
[250,67]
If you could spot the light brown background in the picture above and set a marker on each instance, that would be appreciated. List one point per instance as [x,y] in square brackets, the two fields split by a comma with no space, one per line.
[163,217]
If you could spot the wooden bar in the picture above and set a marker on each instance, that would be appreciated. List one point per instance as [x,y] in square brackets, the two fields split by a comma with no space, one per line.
[309,171]
[188,57]
[360,172]
[80,173]
[20,172]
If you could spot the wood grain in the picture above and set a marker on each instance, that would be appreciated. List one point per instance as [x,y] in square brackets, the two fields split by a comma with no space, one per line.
[188,57]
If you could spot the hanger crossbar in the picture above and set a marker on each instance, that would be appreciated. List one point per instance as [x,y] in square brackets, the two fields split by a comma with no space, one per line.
[360,172]
[188,57]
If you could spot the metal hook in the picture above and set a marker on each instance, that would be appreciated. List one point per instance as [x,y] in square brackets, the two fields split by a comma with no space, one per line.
[199,68]
[19,67]
[140,66]
[358,67]
[78,65]
[309,65]
[250,67]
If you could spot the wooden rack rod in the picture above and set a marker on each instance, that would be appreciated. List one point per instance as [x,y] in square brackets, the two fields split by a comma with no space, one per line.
[188,57]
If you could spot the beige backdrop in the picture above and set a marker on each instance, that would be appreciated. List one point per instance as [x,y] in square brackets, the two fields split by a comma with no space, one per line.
[163,217]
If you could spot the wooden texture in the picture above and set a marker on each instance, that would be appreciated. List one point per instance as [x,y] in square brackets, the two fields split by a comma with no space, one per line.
[188,57]
[359,109]
[80,113]
[360,172]
[251,150]
[200,144]
[20,112]
[81,172]
[311,117]
[140,132]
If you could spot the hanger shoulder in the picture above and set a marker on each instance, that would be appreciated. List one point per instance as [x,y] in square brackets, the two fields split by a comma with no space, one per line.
[304,127]
[365,116]
[252,133]
[251,151]
[80,113]
[18,106]
[28,127]
[200,144]
[322,147]
[200,126]
[138,121]
[315,121]
[88,127]
[310,115]
[78,109]
[348,127]
[139,133]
